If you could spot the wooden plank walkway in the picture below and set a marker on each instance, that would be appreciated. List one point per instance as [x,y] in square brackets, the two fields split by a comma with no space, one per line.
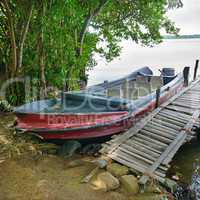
[151,143]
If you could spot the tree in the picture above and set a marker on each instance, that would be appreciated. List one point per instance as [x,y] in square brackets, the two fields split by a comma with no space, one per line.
[54,40]
[107,22]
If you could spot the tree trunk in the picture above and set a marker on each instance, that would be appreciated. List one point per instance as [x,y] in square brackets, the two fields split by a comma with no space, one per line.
[23,38]
[41,54]
[91,15]
[13,66]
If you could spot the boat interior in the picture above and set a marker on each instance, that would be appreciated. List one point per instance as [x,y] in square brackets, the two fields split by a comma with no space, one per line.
[116,96]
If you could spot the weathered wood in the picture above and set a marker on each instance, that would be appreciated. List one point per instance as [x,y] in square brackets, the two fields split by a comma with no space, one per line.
[172,148]
[141,145]
[157,97]
[180,109]
[137,154]
[143,122]
[181,116]
[176,118]
[131,159]
[186,72]
[157,148]
[195,69]
[150,145]
[167,119]
[186,105]
[158,143]
[167,124]
[142,148]
[160,131]
[153,135]
[162,127]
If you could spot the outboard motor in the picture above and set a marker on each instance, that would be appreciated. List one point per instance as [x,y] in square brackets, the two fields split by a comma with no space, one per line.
[168,75]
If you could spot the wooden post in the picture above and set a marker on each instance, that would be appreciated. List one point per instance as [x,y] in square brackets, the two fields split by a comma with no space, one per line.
[186,72]
[195,69]
[106,87]
[126,89]
[157,97]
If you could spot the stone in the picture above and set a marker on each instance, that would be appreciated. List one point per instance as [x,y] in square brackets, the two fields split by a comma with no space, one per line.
[130,184]
[107,182]
[101,163]
[153,188]
[172,185]
[69,148]
[117,169]
[75,163]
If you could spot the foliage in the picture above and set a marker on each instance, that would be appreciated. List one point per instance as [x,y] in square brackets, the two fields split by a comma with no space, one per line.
[54,40]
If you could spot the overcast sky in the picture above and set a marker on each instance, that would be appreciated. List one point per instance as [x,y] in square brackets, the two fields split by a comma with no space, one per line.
[188,17]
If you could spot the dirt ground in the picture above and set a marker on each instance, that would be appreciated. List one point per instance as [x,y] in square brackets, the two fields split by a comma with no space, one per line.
[49,177]
[52,178]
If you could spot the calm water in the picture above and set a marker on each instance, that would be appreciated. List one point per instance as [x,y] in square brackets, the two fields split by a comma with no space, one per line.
[170,53]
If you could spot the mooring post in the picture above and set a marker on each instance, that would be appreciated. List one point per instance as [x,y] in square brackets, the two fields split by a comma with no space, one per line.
[157,97]
[196,69]
[106,87]
[186,72]
[126,89]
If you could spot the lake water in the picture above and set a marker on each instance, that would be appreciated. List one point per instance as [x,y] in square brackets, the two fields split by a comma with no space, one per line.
[170,53]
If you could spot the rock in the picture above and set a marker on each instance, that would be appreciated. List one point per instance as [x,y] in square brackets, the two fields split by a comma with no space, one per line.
[75,163]
[130,184]
[135,173]
[153,188]
[117,169]
[106,181]
[101,163]
[69,148]
[172,185]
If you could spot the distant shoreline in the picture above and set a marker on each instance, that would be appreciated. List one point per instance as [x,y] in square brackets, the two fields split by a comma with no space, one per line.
[172,37]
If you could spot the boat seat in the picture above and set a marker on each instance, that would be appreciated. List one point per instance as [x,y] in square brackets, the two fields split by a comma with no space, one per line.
[128,92]
[143,85]
[156,82]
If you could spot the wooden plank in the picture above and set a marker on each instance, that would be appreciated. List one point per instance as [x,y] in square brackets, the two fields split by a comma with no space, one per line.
[162,127]
[167,124]
[186,102]
[139,125]
[147,147]
[161,144]
[151,169]
[141,155]
[188,126]
[181,116]
[172,121]
[131,159]
[180,109]
[157,148]
[144,149]
[154,134]
[188,99]
[160,131]
[181,120]
[186,105]
[172,148]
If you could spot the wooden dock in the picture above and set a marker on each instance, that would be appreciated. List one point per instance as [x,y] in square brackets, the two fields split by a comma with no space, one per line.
[150,145]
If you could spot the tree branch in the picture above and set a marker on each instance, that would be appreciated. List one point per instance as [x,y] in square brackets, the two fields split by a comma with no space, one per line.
[87,22]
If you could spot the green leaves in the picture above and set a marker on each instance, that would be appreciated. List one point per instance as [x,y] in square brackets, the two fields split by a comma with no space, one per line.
[74,31]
